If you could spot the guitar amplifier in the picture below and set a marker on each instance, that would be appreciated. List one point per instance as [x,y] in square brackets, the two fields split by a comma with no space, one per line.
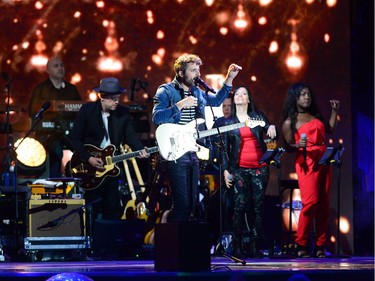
[56,218]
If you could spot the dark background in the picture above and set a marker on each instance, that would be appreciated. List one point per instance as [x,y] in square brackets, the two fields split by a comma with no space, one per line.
[341,68]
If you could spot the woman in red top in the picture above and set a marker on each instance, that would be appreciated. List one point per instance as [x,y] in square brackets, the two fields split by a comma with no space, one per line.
[304,132]
[243,173]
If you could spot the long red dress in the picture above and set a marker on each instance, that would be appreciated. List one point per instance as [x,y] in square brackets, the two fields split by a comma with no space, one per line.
[314,182]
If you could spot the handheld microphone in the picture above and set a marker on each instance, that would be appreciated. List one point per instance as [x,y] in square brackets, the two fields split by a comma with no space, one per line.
[198,80]
[304,137]
[45,106]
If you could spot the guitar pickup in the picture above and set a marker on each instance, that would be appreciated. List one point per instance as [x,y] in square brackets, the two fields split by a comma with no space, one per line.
[79,169]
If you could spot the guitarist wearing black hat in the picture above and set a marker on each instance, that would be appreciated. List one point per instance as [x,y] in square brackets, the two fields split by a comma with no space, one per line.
[99,130]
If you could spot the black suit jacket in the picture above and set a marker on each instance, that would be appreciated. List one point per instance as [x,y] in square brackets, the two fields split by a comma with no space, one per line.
[89,129]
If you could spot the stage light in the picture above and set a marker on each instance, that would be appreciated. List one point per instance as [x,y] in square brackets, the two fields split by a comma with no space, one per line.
[344,225]
[242,20]
[69,277]
[274,47]
[296,208]
[30,152]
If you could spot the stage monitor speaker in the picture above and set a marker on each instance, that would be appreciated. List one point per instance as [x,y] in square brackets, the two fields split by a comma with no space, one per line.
[56,218]
[182,247]
[118,239]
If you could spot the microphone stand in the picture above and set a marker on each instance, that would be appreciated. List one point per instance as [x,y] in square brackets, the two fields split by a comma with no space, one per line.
[272,157]
[14,167]
[219,249]
[8,163]
[332,156]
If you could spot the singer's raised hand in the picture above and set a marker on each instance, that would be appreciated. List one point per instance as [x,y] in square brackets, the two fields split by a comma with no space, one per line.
[335,104]
[233,70]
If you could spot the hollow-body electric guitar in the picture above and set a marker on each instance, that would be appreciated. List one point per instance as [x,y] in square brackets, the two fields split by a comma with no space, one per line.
[91,177]
[174,140]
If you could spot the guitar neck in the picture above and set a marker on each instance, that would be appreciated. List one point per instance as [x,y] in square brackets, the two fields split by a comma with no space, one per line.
[133,154]
[214,131]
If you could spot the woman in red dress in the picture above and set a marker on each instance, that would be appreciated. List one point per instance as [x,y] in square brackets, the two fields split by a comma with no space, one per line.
[304,132]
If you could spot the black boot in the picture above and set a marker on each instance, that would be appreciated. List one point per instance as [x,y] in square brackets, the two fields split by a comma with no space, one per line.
[301,251]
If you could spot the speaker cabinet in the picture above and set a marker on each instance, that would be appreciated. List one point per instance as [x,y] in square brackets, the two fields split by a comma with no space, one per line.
[56,218]
[182,247]
[118,239]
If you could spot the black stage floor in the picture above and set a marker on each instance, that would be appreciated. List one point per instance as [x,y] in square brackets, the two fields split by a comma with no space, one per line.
[354,268]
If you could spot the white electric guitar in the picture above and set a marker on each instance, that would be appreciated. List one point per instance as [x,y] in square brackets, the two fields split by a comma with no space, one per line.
[175,140]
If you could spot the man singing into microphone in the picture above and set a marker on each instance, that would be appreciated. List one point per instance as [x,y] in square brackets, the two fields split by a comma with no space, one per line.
[53,88]
[180,102]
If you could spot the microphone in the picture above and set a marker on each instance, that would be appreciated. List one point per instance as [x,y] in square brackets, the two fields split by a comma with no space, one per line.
[304,137]
[45,106]
[49,224]
[198,80]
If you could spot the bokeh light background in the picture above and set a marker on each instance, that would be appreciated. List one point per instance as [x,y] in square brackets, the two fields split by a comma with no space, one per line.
[276,42]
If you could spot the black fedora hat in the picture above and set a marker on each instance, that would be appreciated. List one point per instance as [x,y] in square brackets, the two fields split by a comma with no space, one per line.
[109,86]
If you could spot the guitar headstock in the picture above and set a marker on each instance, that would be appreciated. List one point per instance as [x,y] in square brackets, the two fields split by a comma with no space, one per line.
[253,122]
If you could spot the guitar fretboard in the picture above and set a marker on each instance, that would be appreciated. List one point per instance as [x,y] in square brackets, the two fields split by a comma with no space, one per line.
[133,154]
[219,130]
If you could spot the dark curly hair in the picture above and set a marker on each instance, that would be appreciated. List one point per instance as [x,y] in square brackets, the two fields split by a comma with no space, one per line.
[290,105]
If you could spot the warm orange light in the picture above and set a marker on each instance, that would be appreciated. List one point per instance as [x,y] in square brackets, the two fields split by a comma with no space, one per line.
[274,47]
[344,225]
[193,40]
[262,20]
[150,17]
[157,59]
[100,4]
[242,20]
[331,3]
[223,30]
[160,34]
[76,78]
[93,96]
[326,38]
[39,60]
[30,152]
[294,62]
[38,5]
[25,45]
[109,64]
[265,2]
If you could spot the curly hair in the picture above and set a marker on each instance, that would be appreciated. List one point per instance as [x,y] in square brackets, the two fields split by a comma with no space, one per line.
[290,105]
[183,60]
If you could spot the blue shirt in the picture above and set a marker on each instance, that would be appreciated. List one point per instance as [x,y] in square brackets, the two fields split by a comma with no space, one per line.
[167,95]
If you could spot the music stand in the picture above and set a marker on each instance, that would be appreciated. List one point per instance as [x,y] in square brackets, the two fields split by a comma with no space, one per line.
[272,157]
[332,156]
